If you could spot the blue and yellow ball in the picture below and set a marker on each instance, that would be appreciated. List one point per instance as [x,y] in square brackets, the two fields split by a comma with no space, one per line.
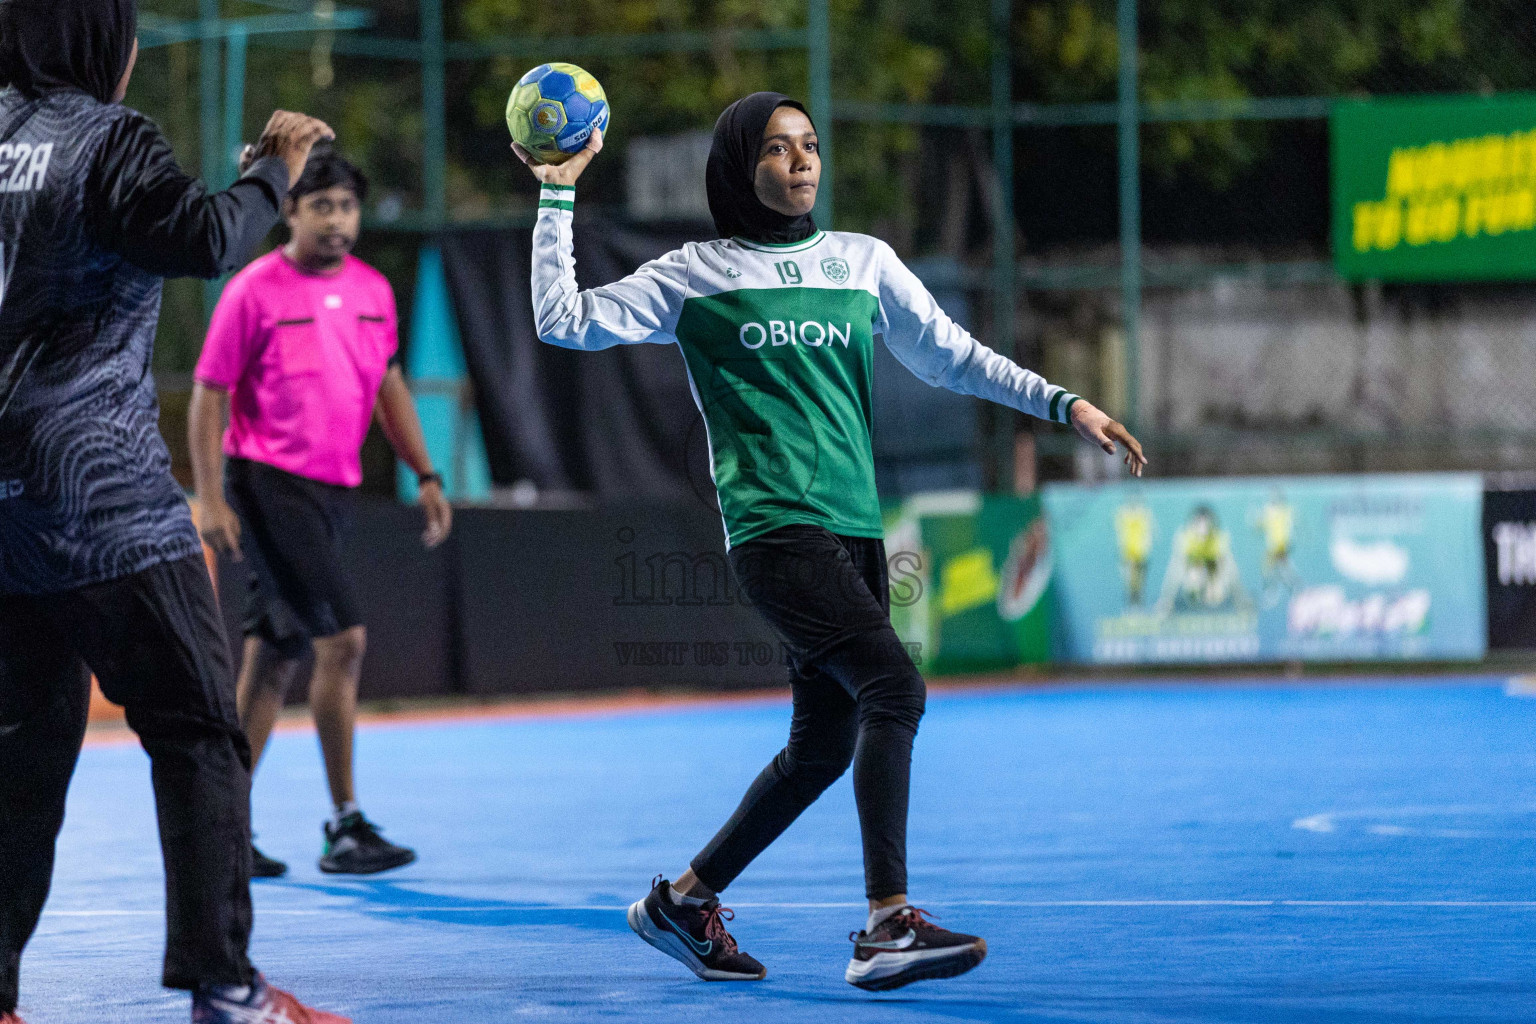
[554,109]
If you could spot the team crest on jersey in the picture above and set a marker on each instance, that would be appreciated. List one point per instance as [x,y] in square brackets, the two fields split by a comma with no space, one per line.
[732,272]
[835,269]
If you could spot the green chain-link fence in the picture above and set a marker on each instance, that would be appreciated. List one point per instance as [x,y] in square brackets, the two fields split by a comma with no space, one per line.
[1135,201]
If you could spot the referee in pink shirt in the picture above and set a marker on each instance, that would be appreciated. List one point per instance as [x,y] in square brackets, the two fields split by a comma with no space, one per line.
[300,357]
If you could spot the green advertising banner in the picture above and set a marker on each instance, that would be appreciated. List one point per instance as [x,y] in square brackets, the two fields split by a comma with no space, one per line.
[1435,188]
[971,580]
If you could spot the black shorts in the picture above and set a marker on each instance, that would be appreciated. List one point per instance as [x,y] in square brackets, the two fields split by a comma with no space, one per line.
[292,533]
[815,587]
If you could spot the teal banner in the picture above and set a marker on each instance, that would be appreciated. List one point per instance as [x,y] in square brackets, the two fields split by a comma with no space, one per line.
[970,580]
[1270,569]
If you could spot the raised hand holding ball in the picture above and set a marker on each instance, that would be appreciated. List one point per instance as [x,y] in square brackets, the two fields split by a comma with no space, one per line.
[566,173]
[554,110]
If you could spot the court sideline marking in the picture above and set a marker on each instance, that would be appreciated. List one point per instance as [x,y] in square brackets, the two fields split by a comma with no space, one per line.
[514,708]
[1015,904]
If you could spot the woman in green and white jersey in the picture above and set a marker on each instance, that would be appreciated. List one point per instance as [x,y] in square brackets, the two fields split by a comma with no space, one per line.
[776,321]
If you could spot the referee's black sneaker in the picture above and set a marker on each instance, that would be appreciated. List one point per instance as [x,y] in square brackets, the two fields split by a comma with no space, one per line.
[263,866]
[693,934]
[353,846]
[907,947]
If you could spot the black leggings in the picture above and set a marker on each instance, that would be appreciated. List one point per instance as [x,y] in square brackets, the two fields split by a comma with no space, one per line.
[857,700]
[157,644]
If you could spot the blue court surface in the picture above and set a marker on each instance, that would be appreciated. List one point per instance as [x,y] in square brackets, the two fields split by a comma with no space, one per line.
[1132,853]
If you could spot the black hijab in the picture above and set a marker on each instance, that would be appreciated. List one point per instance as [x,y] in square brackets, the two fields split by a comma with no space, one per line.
[82,45]
[732,166]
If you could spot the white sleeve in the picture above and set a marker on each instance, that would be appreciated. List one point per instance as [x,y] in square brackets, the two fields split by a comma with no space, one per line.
[943,354]
[642,307]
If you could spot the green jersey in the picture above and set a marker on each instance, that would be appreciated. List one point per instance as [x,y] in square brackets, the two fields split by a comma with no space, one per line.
[778,341]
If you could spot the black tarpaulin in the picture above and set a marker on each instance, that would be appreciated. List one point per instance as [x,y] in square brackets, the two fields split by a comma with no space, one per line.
[616,423]
[621,423]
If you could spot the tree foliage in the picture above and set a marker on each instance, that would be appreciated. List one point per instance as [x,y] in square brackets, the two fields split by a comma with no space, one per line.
[884,50]
[889,177]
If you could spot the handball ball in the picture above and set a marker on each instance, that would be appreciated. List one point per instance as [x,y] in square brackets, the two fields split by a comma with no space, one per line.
[554,109]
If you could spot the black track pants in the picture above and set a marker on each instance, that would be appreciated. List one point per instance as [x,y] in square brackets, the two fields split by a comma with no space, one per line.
[157,645]
[858,699]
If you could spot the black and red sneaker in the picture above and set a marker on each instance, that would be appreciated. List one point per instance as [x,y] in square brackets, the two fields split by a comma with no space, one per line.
[694,934]
[257,1003]
[907,947]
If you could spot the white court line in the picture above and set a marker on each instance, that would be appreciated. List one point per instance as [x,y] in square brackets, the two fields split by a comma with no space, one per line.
[1328,821]
[1024,904]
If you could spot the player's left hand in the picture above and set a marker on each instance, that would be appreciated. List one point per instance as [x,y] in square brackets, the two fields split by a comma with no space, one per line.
[1098,427]
[439,514]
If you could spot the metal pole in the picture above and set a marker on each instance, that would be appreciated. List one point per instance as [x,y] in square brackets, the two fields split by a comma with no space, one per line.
[210,134]
[434,179]
[1130,208]
[819,99]
[434,139]
[234,101]
[1003,247]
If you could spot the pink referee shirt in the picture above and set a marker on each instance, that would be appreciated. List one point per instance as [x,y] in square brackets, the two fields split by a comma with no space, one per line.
[302,356]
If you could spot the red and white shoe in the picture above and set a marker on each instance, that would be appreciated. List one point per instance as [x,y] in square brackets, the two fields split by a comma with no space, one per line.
[258,1003]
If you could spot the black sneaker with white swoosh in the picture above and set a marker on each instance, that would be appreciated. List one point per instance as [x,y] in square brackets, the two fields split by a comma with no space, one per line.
[693,934]
[907,947]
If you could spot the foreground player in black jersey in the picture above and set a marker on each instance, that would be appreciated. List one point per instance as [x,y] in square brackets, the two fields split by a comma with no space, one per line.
[99,563]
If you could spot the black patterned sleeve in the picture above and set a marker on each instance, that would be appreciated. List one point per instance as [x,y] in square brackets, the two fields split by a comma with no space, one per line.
[143,206]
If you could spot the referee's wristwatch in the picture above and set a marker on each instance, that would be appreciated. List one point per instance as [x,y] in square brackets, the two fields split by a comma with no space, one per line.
[422,479]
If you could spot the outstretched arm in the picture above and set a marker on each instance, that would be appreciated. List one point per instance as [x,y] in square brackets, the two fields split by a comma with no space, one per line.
[234,338]
[642,307]
[396,412]
[206,417]
[1098,427]
[944,354]
[145,208]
